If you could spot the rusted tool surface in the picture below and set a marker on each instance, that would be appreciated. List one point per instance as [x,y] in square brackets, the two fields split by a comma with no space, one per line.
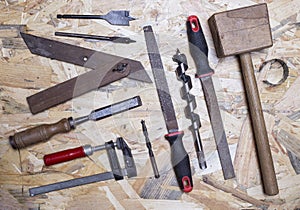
[238,32]
[107,68]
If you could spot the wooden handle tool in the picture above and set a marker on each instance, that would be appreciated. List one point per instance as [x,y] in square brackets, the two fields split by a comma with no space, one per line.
[238,32]
[44,132]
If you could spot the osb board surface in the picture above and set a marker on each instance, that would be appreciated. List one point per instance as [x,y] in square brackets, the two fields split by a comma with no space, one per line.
[23,74]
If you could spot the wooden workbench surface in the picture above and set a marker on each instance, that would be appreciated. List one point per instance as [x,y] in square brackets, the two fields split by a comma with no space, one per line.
[23,74]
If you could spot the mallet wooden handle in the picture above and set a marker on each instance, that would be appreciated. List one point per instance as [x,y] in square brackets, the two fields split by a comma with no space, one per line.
[41,133]
[258,126]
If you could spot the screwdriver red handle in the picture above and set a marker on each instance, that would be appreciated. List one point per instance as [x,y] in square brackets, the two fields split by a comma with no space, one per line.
[63,156]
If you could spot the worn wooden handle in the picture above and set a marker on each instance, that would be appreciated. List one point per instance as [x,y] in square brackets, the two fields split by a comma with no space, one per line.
[258,126]
[38,134]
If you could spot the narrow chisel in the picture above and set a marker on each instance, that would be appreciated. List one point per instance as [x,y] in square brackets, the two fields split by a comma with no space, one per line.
[179,157]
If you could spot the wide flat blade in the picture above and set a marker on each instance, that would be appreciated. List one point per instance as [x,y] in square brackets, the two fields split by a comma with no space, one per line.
[160,81]
[82,56]
[217,126]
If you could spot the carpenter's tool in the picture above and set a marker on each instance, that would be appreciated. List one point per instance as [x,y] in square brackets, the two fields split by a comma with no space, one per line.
[238,32]
[114,17]
[115,39]
[71,154]
[11,30]
[149,146]
[108,68]
[179,157]
[199,52]
[44,132]
[181,60]
[117,172]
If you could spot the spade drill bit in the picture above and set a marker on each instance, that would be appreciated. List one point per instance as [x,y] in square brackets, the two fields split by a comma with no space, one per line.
[181,60]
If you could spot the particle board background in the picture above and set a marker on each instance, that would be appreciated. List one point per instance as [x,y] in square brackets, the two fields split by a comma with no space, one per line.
[23,74]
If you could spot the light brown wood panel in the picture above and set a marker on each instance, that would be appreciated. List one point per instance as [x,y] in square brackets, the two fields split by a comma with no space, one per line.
[22,170]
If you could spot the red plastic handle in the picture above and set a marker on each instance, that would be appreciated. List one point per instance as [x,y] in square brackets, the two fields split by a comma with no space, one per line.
[63,156]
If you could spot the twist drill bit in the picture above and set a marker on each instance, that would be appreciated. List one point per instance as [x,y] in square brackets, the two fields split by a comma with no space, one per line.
[181,60]
[151,154]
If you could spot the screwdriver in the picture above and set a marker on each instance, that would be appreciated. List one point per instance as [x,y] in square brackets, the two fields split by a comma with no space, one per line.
[44,132]
[71,154]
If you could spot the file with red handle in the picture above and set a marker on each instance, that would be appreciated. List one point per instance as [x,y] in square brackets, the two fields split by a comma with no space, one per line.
[199,52]
[179,157]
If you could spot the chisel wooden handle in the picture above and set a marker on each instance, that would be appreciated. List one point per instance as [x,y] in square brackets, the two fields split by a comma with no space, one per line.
[41,133]
[259,127]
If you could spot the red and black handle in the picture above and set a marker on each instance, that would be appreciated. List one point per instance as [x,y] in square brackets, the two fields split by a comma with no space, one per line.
[198,47]
[180,161]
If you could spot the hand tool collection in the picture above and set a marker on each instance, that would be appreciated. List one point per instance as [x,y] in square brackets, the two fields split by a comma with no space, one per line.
[181,60]
[225,28]
[44,132]
[179,157]
[117,172]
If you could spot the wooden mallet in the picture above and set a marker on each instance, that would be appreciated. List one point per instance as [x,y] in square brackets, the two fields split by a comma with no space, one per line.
[238,32]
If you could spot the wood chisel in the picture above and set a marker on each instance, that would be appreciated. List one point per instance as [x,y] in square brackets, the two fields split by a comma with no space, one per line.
[107,68]
[179,157]
[199,51]
[44,132]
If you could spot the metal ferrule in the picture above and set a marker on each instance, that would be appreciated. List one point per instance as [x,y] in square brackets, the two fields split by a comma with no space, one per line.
[80,120]
[88,150]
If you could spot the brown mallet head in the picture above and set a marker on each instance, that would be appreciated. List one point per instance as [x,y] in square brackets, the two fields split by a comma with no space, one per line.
[241,30]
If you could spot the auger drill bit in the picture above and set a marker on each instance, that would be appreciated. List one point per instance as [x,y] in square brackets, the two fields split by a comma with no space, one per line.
[181,60]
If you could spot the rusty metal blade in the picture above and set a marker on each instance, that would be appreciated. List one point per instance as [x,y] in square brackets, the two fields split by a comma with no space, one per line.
[82,56]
